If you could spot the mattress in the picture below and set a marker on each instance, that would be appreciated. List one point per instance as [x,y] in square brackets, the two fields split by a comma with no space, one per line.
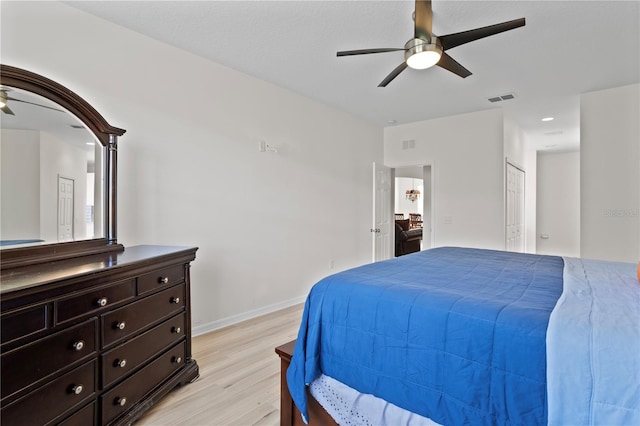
[455,335]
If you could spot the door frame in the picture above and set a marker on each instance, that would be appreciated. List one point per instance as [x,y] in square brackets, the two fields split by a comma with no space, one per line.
[432,207]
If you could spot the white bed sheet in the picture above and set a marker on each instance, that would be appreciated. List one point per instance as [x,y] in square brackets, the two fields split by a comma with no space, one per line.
[593,346]
[350,407]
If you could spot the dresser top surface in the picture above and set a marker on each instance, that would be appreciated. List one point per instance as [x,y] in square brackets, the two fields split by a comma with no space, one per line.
[17,279]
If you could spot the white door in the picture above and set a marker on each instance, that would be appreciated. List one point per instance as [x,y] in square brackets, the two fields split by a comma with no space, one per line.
[65,209]
[515,209]
[383,231]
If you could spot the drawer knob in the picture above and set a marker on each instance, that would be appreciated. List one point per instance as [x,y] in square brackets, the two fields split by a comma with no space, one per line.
[177,359]
[121,401]
[175,300]
[163,280]
[77,389]
[176,330]
[102,301]
[120,325]
[120,363]
[78,346]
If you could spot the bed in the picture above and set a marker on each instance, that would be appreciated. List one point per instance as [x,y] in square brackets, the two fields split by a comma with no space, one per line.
[468,336]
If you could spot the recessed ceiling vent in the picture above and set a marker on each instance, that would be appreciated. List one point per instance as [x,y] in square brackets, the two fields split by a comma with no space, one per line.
[501,98]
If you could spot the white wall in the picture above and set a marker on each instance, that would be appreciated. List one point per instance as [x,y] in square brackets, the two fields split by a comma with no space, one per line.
[404,205]
[58,158]
[558,208]
[609,174]
[467,157]
[268,225]
[20,177]
[31,164]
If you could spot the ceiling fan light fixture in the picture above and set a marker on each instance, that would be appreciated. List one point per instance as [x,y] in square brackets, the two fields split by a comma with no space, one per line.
[423,60]
[420,54]
[426,50]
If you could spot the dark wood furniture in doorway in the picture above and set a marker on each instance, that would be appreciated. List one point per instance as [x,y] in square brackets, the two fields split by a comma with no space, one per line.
[415,220]
[407,239]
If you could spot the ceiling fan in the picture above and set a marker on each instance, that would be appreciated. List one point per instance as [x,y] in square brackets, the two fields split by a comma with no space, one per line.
[5,98]
[425,50]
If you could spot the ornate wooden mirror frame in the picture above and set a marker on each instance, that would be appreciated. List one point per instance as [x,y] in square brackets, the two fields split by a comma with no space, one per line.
[107,135]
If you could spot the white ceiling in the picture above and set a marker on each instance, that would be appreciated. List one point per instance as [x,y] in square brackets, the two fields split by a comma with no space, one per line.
[33,112]
[566,48]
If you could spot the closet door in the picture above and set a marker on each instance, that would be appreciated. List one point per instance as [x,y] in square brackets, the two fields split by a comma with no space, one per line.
[514,209]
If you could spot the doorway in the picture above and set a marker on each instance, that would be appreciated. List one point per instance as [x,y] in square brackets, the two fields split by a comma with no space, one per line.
[388,198]
[413,196]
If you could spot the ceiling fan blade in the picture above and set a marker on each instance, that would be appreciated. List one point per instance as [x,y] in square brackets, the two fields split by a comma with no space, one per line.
[423,18]
[7,110]
[450,64]
[367,51]
[393,74]
[452,40]
[33,103]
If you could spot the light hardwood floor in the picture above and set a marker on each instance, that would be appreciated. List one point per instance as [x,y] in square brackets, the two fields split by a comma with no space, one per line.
[239,381]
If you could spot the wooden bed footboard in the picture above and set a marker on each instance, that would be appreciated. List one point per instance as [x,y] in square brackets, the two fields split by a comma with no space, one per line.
[289,414]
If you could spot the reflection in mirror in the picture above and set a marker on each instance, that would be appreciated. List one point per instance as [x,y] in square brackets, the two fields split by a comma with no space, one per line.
[51,174]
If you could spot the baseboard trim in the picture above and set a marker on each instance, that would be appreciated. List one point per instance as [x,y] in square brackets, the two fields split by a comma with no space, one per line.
[234,319]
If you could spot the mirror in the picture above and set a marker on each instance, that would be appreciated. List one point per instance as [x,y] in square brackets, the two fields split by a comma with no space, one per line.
[58,172]
[48,186]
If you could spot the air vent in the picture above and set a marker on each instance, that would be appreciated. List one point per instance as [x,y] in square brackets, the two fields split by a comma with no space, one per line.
[409,144]
[553,133]
[501,98]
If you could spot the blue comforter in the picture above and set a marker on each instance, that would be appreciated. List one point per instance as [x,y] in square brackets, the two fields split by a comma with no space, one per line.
[453,334]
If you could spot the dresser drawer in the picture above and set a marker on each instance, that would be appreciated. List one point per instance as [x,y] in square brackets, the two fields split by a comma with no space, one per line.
[129,356]
[121,398]
[22,323]
[160,278]
[83,417]
[30,363]
[53,399]
[91,301]
[136,316]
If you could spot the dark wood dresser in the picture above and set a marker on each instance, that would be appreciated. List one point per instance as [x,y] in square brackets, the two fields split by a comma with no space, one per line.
[96,339]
